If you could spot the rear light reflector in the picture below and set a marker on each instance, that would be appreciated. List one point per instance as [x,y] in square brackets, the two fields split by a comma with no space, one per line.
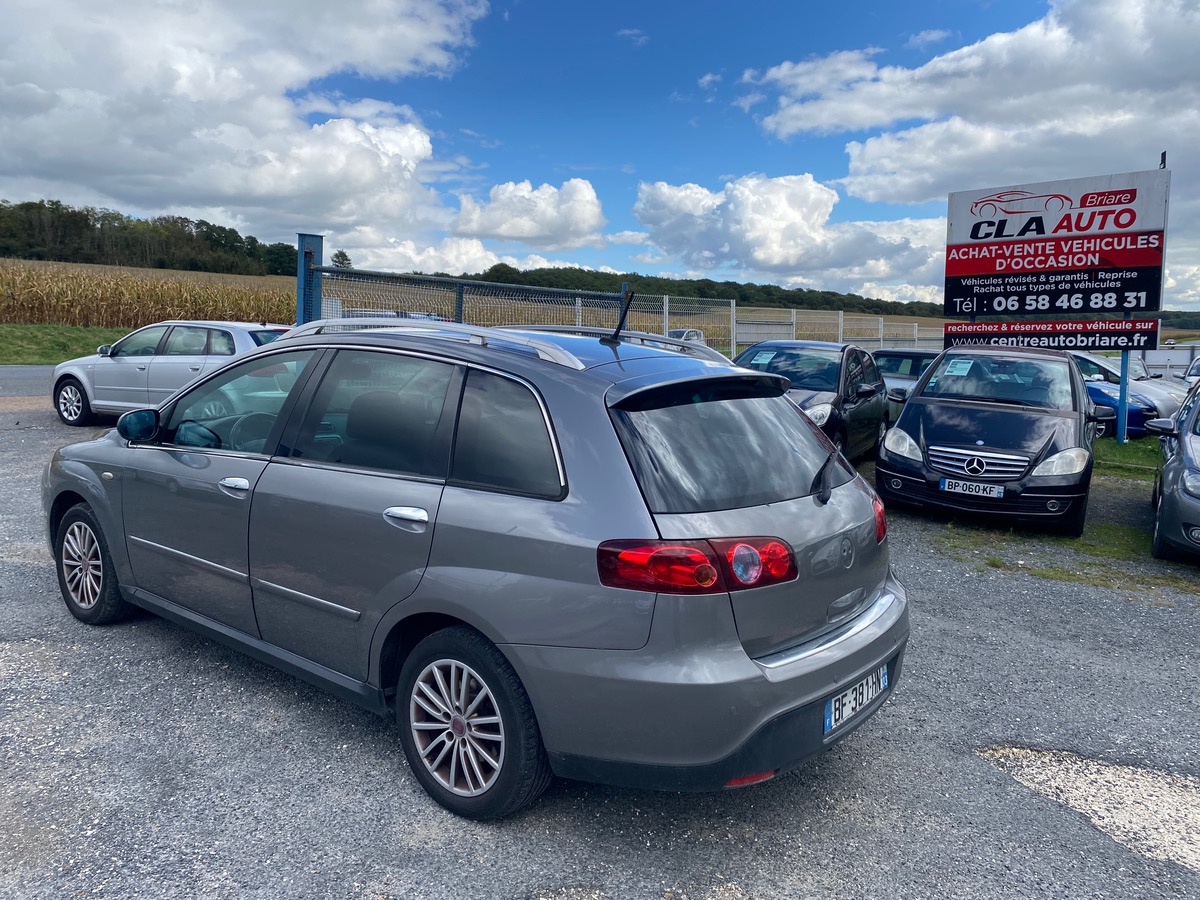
[695,567]
[750,779]
[880,520]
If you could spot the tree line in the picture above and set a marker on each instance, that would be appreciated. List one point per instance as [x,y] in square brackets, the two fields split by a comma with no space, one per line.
[51,230]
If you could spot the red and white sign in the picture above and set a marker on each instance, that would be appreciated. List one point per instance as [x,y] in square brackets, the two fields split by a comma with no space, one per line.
[1085,244]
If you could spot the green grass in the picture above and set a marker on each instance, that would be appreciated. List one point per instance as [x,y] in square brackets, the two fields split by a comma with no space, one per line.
[1137,458]
[41,345]
[1101,552]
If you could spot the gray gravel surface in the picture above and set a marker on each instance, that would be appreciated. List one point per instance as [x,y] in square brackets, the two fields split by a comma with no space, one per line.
[142,761]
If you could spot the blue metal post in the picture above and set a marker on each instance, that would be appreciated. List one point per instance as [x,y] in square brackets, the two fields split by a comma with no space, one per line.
[310,252]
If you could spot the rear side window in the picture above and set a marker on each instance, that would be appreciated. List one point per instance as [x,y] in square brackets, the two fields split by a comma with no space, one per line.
[502,441]
[713,446]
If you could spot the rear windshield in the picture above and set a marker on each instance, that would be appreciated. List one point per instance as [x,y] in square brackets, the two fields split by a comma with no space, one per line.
[810,368]
[265,337]
[909,366]
[720,446]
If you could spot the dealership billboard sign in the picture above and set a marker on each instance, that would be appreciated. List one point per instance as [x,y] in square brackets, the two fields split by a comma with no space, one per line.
[1099,334]
[1084,245]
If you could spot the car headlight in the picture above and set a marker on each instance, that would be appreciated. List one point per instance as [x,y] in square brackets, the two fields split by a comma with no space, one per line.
[898,442]
[1068,462]
[819,413]
[1191,482]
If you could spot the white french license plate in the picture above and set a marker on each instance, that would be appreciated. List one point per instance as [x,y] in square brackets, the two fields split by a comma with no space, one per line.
[974,488]
[847,704]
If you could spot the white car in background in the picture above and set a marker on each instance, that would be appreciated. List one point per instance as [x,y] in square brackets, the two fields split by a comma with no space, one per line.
[142,369]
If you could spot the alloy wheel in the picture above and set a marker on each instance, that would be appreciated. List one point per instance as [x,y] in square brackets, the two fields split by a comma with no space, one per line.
[83,567]
[457,727]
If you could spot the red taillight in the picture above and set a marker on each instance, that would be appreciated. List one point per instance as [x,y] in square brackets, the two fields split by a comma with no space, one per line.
[756,561]
[880,520]
[695,567]
[668,567]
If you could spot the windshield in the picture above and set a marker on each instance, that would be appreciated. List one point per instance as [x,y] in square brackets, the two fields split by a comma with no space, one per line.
[721,445]
[814,369]
[1024,382]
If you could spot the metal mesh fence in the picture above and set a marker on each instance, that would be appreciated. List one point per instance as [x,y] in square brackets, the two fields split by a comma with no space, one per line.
[358,293]
[720,323]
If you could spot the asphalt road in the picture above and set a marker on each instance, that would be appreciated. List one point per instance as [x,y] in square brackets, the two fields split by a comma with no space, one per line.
[1042,743]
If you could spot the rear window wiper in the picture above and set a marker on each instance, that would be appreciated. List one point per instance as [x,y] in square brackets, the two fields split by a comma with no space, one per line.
[821,483]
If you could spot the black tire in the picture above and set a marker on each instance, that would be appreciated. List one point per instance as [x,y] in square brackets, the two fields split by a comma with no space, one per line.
[85,571]
[508,766]
[71,402]
[1159,548]
[883,427]
[1073,522]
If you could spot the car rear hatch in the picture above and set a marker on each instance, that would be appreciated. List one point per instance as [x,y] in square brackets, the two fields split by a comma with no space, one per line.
[729,461]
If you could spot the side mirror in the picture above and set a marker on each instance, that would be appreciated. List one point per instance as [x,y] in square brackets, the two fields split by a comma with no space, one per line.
[138,425]
[1102,414]
[1161,427]
[1156,375]
[865,390]
[104,349]
[1096,377]
[897,394]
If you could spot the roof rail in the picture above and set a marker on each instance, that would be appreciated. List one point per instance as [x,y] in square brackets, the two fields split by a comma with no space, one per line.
[636,337]
[479,335]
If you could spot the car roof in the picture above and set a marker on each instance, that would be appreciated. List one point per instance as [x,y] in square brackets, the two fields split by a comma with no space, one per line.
[637,355]
[217,323]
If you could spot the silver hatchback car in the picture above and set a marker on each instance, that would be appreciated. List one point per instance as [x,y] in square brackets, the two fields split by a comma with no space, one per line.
[147,366]
[616,559]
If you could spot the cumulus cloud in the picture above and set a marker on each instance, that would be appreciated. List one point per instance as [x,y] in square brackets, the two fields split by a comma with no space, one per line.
[1094,87]
[546,217]
[780,228]
[164,106]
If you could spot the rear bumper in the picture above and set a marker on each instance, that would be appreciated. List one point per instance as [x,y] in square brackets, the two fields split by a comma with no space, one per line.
[691,713]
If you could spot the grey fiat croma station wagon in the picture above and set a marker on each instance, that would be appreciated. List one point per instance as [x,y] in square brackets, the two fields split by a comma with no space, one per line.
[614,557]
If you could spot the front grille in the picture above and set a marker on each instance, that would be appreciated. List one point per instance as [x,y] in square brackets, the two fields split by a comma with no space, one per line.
[975,464]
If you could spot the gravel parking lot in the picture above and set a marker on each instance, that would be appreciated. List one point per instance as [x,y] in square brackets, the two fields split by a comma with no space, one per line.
[1042,743]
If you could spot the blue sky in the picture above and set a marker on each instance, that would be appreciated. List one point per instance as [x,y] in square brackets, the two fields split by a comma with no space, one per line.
[802,144]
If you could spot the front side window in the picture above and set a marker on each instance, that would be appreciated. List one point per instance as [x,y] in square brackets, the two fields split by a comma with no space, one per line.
[502,441]
[721,445]
[855,372]
[382,411]
[140,343]
[238,409]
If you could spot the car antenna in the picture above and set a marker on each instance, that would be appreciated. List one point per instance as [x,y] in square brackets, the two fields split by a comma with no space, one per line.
[615,338]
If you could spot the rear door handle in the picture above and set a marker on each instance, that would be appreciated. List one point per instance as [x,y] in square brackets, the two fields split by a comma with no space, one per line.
[407,518]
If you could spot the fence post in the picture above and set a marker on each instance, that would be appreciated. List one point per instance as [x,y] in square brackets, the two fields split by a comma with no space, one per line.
[310,252]
[733,336]
[881,332]
[458,302]
[916,338]
[793,324]
[841,326]
[578,312]
[666,314]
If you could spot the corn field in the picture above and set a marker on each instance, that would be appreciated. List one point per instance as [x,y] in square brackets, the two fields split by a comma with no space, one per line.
[39,293]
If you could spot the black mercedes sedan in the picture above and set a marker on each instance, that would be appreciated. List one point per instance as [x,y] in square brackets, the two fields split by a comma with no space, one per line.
[837,385]
[1000,431]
